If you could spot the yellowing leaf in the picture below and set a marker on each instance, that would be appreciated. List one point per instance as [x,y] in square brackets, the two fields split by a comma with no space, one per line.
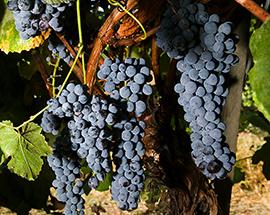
[24,149]
[57,1]
[10,40]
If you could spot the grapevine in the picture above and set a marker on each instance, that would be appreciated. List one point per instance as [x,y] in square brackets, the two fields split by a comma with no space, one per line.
[137,93]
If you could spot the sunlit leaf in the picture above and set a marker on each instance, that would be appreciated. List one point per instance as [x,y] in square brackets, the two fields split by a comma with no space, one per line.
[24,149]
[260,73]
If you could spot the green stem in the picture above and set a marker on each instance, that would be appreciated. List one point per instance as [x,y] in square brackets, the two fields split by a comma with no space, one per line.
[116,3]
[84,71]
[80,37]
[70,71]
[54,75]
[103,55]
[62,87]
[32,118]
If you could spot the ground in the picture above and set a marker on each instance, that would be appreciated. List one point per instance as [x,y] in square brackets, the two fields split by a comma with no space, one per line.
[250,196]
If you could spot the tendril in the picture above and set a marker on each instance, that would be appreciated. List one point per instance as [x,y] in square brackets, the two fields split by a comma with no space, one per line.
[118,4]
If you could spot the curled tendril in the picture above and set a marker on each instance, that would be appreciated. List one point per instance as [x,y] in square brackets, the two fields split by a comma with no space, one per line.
[118,4]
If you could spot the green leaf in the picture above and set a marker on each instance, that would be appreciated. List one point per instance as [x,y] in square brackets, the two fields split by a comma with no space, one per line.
[239,175]
[24,148]
[105,185]
[260,73]
[10,40]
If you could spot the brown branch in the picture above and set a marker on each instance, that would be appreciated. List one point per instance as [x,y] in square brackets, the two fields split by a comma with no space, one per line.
[104,35]
[146,12]
[255,9]
[77,69]
[107,33]
[43,72]
[155,58]
[133,41]
[69,48]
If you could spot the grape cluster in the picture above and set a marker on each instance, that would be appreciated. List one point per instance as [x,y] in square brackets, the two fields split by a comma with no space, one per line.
[202,71]
[128,179]
[59,50]
[69,186]
[34,16]
[91,137]
[202,92]
[89,121]
[180,26]
[97,126]
[204,48]
[50,123]
[70,102]
[218,39]
[127,82]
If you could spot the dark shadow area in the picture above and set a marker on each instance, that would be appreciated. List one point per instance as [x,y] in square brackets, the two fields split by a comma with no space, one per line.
[2,10]
[21,195]
[223,189]
[263,155]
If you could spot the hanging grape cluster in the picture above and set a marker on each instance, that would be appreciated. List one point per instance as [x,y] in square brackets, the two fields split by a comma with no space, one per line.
[101,131]
[204,48]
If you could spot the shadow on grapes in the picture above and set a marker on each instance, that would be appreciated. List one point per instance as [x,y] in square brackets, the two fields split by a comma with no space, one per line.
[21,195]
[263,155]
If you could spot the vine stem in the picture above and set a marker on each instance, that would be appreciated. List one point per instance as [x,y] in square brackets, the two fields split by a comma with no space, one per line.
[68,46]
[135,40]
[32,118]
[116,3]
[70,71]
[255,9]
[80,37]
[54,75]
[62,87]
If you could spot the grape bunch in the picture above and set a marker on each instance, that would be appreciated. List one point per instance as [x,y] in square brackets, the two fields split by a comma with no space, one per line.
[34,16]
[204,48]
[127,82]
[69,186]
[128,179]
[219,39]
[96,126]
[180,26]
[202,92]
[59,50]
[127,85]
[92,138]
